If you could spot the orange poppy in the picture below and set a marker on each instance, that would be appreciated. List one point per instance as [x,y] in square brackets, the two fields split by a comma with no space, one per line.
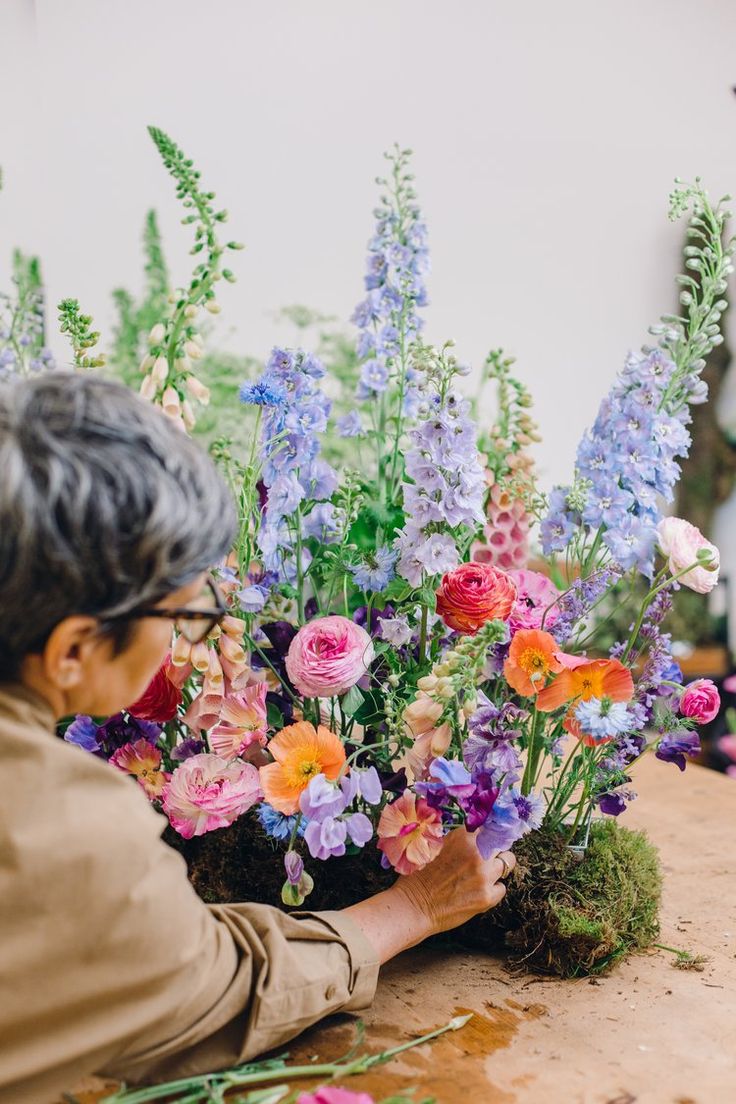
[597,678]
[532,657]
[301,751]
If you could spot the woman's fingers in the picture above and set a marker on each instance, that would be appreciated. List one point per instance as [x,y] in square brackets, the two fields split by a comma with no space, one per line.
[504,863]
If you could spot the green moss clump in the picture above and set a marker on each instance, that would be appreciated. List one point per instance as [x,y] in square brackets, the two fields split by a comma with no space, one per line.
[574,917]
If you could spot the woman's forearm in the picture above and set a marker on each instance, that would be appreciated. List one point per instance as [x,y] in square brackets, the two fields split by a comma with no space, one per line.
[391,922]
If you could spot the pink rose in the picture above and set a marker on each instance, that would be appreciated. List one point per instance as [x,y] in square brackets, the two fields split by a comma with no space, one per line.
[683,544]
[328,656]
[331,1094]
[208,792]
[700,701]
[535,595]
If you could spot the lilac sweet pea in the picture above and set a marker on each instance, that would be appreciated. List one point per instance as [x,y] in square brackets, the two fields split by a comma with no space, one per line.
[674,746]
[326,838]
[322,799]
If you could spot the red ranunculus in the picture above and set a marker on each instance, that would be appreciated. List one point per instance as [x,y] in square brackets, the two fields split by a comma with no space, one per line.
[473,594]
[160,701]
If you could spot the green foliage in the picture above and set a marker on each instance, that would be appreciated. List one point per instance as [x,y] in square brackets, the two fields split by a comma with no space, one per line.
[78,328]
[136,318]
[576,917]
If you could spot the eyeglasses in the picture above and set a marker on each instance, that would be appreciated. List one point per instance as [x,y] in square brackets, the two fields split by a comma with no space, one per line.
[193,622]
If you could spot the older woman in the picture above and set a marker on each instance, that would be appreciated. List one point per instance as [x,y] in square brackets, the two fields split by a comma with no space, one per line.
[109,962]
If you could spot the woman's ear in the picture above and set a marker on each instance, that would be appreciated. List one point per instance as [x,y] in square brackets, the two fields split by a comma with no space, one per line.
[68,650]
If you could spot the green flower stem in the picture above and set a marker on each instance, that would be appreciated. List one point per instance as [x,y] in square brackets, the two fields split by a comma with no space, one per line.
[202,1089]
[645,605]
[423,635]
[532,753]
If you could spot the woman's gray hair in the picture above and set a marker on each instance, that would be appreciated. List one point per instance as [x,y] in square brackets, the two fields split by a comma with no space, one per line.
[105,506]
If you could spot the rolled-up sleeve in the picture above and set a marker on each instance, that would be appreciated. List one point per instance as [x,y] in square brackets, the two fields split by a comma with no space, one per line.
[111,963]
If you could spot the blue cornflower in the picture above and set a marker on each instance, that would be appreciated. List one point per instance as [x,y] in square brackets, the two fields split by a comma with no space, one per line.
[264,392]
[602,718]
[276,825]
[377,569]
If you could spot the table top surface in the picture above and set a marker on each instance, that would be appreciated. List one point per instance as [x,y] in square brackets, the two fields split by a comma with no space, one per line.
[646,1032]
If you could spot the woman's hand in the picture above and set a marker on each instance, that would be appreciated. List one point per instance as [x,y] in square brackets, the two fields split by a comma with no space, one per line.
[457,885]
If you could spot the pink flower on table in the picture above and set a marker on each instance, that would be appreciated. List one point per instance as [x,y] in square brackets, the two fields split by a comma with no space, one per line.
[409,833]
[328,656]
[208,792]
[242,722]
[683,544]
[331,1094]
[535,598]
[700,701]
[143,761]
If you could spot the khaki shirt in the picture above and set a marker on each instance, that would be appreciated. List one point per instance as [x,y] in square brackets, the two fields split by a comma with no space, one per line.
[109,962]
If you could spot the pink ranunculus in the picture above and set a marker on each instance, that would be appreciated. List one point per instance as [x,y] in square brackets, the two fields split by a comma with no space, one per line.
[208,792]
[331,1094]
[328,656]
[700,701]
[682,543]
[535,598]
[242,722]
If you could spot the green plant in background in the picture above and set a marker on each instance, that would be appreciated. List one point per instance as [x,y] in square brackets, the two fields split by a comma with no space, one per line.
[22,321]
[136,318]
[174,340]
[78,328]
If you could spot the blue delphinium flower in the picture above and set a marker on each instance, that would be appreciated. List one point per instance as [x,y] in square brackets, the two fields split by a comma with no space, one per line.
[276,825]
[398,259]
[447,487]
[350,425]
[376,570]
[628,459]
[295,413]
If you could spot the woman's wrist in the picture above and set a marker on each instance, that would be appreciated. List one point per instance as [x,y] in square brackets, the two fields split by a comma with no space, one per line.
[392,921]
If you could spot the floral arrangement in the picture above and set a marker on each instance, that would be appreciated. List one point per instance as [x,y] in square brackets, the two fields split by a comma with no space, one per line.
[396,660]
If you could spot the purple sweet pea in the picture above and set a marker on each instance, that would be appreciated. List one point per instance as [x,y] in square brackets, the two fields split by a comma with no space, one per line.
[359,828]
[326,839]
[322,799]
[294,866]
[83,732]
[674,746]
[186,749]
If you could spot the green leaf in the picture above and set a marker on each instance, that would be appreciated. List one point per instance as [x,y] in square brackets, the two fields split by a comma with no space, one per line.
[274,716]
[352,701]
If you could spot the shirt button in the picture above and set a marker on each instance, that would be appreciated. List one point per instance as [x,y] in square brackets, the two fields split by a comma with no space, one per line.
[330,992]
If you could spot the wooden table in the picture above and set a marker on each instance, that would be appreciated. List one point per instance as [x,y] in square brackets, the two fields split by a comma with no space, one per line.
[646,1033]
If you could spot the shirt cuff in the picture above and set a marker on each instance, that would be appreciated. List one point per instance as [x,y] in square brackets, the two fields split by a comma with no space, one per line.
[362,955]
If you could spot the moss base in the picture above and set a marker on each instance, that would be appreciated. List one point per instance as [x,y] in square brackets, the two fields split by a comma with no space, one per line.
[560,915]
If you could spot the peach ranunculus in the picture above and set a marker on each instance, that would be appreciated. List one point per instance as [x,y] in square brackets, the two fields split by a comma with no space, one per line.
[474,593]
[683,544]
[300,751]
[532,658]
[583,679]
[327,656]
[208,792]
[143,761]
[430,740]
[242,722]
[410,833]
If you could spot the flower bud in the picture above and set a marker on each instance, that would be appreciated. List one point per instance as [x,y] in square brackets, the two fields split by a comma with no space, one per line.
[197,390]
[190,311]
[147,363]
[213,306]
[171,403]
[148,389]
[157,334]
[427,683]
[200,656]
[160,369]
[192,349]
[187,415]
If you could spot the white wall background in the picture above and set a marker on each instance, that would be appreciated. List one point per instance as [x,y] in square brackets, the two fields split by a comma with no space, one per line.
[547,136]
